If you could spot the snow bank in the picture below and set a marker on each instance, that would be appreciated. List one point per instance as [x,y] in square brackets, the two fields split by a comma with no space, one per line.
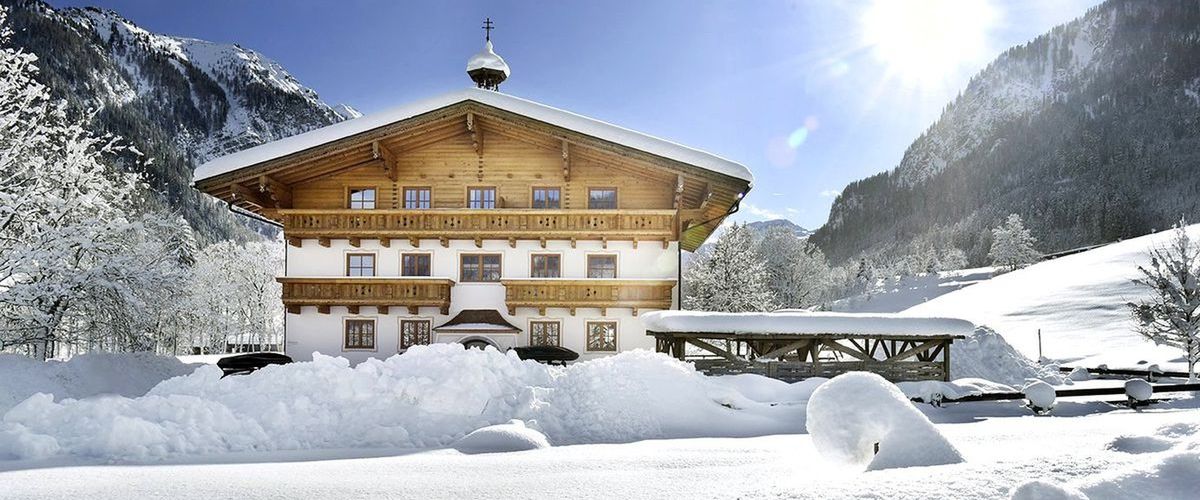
[1079,374]
[930,391]
[503,438]
[431,396]
[802,322]
[769,390]
[852,413]
[86,375]
[985,354]
[1173,477]
[1045,490]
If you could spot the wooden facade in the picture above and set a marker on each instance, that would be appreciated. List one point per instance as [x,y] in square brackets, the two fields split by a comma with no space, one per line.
[468,145]
[353,293]
[594,293]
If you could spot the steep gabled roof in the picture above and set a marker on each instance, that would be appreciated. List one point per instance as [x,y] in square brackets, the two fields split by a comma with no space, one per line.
[553,116]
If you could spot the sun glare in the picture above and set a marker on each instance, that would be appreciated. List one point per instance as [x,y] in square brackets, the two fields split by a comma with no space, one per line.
[921,42]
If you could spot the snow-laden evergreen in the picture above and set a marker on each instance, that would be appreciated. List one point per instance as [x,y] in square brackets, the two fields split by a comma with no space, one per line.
[1169,316]
[797,273]
[731,277]
[1013,245]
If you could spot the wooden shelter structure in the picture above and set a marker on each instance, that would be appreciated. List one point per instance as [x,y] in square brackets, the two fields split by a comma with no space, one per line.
[796,346]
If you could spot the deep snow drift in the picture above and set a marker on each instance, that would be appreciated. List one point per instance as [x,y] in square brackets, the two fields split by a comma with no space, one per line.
[863,419]
[1077,301]
[84,375]
[513,436]
[429,397]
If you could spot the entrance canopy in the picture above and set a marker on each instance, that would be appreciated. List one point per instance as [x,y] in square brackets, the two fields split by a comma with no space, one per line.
[481,321]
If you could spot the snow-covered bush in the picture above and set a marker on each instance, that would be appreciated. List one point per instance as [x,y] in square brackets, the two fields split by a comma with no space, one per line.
[1079,374]
[1044,490]
[1138,391]
[861,418]
[1039,396]
[502,438]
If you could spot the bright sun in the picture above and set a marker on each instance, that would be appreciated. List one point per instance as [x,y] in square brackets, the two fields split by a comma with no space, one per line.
[922,42]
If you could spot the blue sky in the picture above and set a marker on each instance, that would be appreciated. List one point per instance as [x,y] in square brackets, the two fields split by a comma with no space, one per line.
[810,94]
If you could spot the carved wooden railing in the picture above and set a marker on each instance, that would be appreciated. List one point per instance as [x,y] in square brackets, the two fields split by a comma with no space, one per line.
[597,293]
[505,224]
[380,292]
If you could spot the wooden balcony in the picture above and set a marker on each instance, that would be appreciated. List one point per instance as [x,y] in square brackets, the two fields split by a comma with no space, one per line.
[478,225]
[599,293]
[380,292]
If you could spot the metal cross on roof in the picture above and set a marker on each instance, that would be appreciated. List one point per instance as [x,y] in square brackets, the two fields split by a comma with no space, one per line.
[488,26]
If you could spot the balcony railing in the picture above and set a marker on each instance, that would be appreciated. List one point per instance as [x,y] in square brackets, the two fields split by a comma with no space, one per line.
[504,224]
[597,293]
[353,293]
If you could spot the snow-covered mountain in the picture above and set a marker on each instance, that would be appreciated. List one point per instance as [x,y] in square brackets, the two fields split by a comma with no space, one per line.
[180,100]
[762,226]
[1091,132]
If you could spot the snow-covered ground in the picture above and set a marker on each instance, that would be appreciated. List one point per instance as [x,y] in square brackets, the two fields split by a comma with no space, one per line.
[1077,301]
[1092,447]
[910,291]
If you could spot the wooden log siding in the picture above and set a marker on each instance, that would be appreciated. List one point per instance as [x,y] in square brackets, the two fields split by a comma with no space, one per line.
[410,293]
[593,293]
[527,224]
[792,357]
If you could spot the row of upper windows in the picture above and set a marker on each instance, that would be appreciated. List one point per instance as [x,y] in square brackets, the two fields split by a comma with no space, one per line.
[359,334]
[482,267]
[364,198]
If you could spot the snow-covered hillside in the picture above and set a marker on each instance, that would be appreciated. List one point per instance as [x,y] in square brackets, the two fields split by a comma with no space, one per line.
[1077,301]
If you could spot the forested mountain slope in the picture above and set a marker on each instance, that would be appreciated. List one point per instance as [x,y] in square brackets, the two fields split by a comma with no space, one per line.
[1090,132]
[180,101]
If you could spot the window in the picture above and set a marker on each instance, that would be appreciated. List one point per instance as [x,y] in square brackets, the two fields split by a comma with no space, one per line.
[545,266]
[417,198]
[602,198]
[480,267]
[359,334]
[481,197]
[546,197]
[602,266]
[414,264]
[602,336]
[362,198]
[544,332]
[360,264]
[413,332]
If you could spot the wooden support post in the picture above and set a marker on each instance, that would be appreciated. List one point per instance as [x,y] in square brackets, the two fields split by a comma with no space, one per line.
[323,242]
[512,242]
[355,242]
[566,161]
[278,194]
[414,242]
[413,310]
[293,309]
[678,203]
[445,241]
[387,159]
[383,310]
[323,309]
[296,242]
[542,241]
[352,309]
[385,242]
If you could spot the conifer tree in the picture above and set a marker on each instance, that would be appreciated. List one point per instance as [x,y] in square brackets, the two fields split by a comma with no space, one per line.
[731,277]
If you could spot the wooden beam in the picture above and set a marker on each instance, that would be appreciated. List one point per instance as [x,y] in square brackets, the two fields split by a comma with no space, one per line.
[243,193]
[414,241]
[909,352]
[706,196]
[385,242]
[323,242]
[355,242]
[296,242]
[352,309]
[293,309]
[379,151]
[381,310]
[277,193]
[833,345]
[412,310]
[714,349]
[476,134]
[323,309]
[566,160]
[775,353]
[678,203]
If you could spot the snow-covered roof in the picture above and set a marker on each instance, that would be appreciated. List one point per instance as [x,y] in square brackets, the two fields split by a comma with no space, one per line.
[553,116]
[487,59]
[802,323]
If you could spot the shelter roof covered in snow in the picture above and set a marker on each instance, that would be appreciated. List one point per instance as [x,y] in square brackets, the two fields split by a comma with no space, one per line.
[803,323]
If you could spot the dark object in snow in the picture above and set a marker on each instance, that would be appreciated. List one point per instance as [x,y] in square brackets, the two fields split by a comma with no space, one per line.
[549,354]
[246,363]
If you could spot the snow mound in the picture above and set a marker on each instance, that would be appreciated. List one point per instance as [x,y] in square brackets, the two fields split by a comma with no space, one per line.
[1175,476]
[769,390]
[1045,490]
[1079,374]
[1139,390]
[855,412]
[931,391]
[502,438]
[1040,395]
[985,354]
[429,397]
[86,375]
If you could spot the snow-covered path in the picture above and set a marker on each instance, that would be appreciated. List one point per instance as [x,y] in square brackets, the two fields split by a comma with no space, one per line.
[1001,453]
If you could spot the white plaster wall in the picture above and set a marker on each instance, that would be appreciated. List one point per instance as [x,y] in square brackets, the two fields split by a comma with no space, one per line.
[310,331]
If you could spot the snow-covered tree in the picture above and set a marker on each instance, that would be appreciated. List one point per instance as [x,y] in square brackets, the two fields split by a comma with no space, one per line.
[731,277]
[797,273]
[1169,315]
[1012,245]
[236,285]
